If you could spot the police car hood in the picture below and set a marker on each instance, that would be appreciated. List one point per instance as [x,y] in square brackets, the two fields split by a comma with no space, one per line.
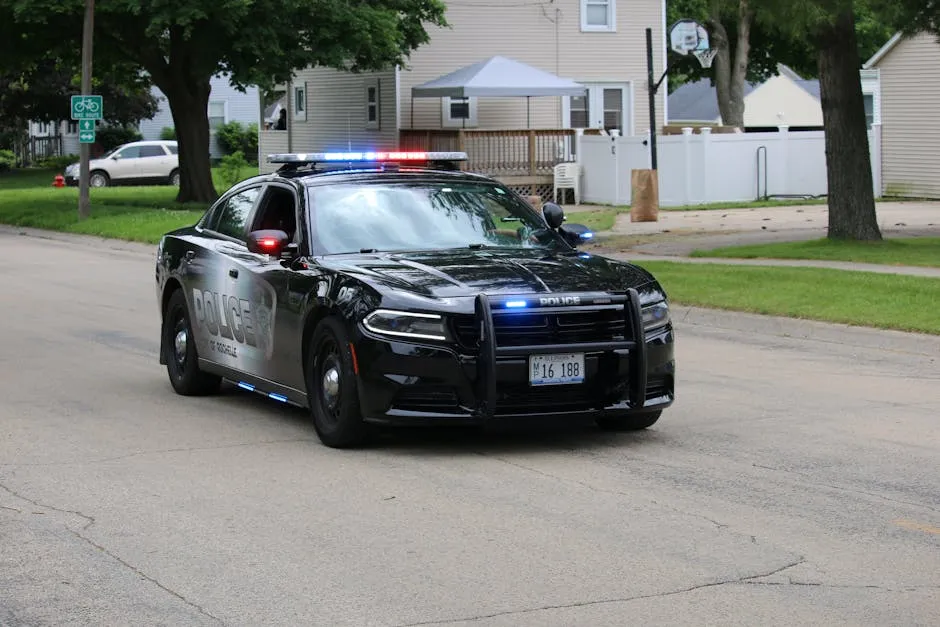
[493,271]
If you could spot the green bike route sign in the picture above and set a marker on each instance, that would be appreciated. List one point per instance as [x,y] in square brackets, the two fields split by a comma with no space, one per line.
[87,107]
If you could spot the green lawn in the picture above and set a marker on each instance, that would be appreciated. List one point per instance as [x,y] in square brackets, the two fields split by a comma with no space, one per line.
[921,251]
[885,301]
[595,219]
[136,213]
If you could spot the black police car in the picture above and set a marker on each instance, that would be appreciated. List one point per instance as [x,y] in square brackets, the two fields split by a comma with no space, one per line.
[395,288]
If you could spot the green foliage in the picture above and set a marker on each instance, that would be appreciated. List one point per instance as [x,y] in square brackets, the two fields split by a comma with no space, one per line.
[57,162]
[7,160]
[110,137]
[781,33]
[231,168]
[168,133]
[234,137]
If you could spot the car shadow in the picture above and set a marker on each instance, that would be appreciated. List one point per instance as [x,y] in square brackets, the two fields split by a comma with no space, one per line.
[523,435]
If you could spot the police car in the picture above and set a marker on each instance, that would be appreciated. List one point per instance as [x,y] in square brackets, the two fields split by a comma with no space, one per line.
[395,288]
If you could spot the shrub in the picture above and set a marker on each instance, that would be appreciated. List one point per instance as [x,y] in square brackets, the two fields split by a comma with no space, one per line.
[234,137]
[57,162]
[7,160]
[113,136]
[168,133]
[231,168]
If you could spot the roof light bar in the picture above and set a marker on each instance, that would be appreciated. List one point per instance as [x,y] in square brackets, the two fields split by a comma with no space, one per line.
[365,157]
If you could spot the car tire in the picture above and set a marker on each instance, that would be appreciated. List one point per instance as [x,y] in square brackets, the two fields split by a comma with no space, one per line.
[331,387]
[628,422]
[182,361]
[175,178]
[99,179]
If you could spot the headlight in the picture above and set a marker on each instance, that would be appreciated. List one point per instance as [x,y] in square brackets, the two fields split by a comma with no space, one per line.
[655,315]
[419,326]
[72,170]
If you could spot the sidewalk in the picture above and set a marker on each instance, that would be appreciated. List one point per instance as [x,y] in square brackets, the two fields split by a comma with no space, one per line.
[686,231]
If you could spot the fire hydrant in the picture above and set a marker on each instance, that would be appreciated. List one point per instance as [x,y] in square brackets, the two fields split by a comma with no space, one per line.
[59,181]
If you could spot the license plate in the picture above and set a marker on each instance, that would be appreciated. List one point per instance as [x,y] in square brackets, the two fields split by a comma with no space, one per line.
[556,369]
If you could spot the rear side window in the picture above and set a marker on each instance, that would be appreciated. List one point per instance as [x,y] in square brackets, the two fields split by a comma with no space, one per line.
[173,149]
[233,214]
[152,151]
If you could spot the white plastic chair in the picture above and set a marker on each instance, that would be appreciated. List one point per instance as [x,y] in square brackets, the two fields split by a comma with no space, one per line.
[568,176]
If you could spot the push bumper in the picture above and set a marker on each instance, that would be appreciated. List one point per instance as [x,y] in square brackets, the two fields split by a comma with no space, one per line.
[411,383]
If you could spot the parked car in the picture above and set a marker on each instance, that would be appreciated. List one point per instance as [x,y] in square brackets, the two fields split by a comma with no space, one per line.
[386,288]
[143,162]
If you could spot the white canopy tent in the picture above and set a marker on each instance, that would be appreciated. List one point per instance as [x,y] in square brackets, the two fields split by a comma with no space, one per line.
[496,77]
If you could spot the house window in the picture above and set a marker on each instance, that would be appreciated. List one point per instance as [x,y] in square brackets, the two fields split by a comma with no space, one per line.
[459,112]
[869,109]
[216,114]
[300,101]
[579,116]
[72,128]
[373,110]
[598,15]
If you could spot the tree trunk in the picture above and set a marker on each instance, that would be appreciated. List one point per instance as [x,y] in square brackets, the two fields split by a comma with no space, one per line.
[848,161]
[189,103]
[730,75]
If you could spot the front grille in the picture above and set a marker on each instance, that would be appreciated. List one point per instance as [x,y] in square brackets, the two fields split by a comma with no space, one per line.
[532,328]
[432,398]
[521,398]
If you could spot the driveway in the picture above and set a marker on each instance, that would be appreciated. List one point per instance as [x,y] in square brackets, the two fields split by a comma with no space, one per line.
[795,481]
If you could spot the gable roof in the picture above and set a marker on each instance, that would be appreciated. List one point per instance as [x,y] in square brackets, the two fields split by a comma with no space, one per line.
[698,101]
[883,51]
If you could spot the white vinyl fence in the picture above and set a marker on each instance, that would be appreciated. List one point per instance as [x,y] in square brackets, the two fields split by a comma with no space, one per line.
[709,167]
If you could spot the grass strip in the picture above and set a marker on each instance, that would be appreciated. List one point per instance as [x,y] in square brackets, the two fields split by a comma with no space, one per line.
[914,251]
[903,303]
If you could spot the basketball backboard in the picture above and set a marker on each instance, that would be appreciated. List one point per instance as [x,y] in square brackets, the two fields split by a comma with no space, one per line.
[689,37]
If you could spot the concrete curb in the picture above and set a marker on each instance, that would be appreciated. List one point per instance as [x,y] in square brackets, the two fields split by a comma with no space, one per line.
[863,337]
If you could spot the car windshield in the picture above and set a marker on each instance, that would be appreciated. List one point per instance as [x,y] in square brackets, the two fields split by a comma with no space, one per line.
[381,216]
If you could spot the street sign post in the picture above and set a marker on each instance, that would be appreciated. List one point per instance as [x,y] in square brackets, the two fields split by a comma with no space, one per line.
[86,107]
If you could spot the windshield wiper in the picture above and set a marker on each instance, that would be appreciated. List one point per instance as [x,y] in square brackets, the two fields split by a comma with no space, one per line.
[476,246]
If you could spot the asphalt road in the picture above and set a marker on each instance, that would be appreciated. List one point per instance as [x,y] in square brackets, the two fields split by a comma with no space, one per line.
[794,482]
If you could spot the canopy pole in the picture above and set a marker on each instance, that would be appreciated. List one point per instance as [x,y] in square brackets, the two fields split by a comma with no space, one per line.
[528,111]
[412,110]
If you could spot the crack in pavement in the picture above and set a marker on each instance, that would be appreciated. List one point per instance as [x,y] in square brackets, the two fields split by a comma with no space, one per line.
[844,489]
[713,584]
[147,577]
[89,521]
[155,452]
[716,523]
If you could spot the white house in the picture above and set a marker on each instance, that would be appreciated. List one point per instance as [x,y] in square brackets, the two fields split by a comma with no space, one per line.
[908,88]
[226,104]
[784,99]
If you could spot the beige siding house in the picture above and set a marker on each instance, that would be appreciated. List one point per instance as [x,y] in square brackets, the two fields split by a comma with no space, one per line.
[598,43]
[910,133]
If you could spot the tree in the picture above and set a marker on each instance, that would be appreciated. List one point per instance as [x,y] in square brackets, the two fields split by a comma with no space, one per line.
[183,44]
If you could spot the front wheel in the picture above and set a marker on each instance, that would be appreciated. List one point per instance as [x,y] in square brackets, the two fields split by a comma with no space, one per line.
[99,179]
[628,422]
[331,388]
[182,362]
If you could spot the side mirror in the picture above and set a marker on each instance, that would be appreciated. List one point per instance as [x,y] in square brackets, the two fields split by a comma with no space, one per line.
[268,242]
[576,234]
[554,214]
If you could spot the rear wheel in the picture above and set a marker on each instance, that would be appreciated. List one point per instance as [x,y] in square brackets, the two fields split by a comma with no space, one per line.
[628,422]
[182,362]
[175,178]
[331,388]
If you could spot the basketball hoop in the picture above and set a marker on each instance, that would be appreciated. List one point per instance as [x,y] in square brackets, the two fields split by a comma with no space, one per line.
[705,57]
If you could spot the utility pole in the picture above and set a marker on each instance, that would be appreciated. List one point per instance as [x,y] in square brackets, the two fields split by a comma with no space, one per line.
[84,203]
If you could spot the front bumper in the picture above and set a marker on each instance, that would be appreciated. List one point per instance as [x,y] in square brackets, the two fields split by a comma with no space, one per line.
[407,383]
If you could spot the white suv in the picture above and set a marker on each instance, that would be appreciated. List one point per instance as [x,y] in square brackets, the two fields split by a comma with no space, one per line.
[136,162]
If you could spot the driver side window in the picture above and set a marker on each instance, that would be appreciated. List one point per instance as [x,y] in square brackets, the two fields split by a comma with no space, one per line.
[277,210]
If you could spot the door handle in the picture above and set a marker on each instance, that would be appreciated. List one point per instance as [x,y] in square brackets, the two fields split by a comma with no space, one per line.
[233,273]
